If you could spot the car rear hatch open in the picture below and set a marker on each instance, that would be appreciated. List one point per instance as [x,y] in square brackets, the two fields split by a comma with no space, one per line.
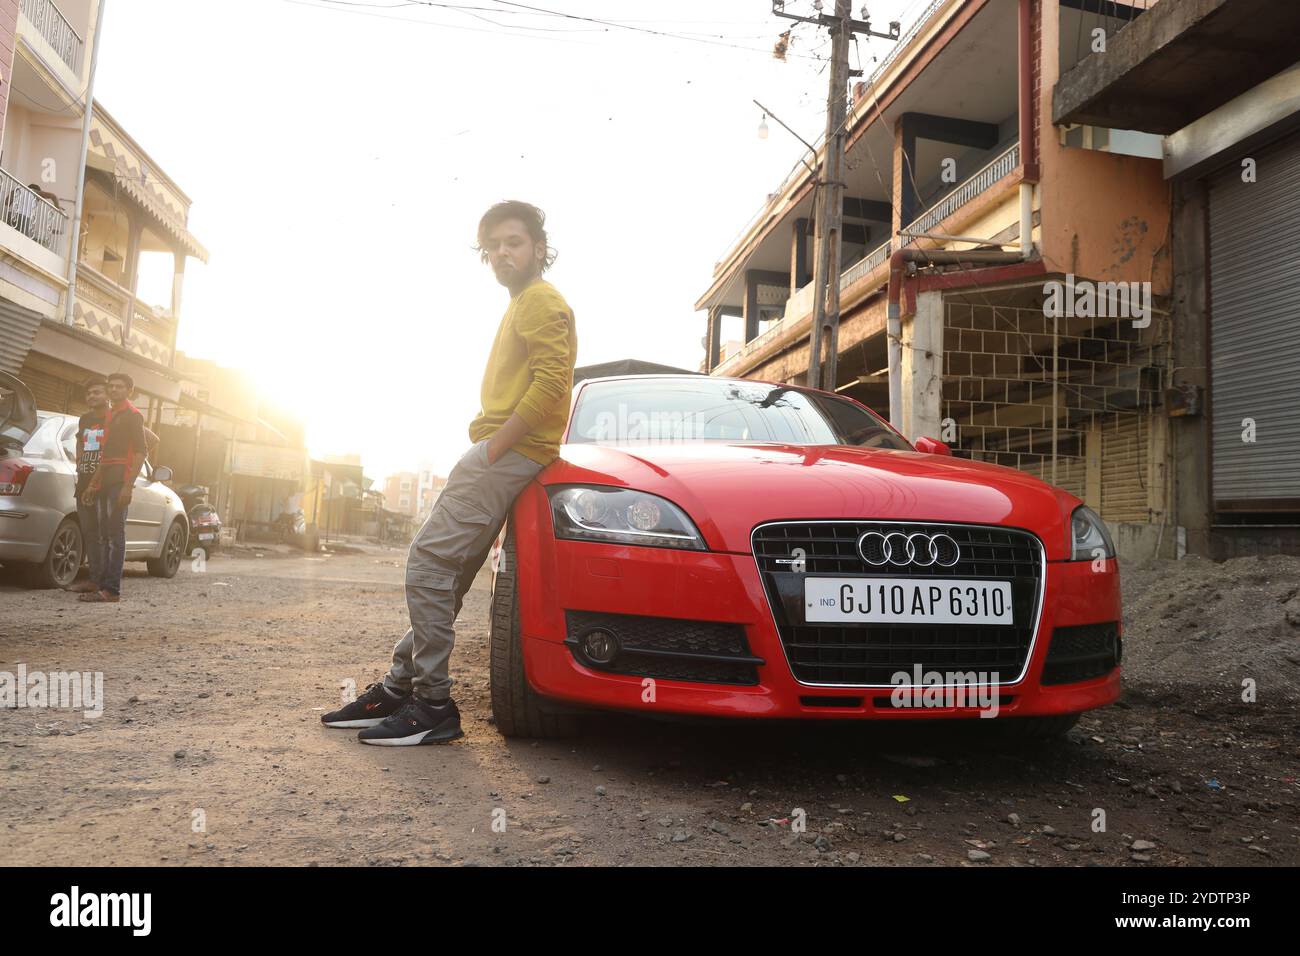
[17,414]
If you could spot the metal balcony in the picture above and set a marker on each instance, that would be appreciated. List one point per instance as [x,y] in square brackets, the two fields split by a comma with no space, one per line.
[57,31]
[32,215]
[981,181]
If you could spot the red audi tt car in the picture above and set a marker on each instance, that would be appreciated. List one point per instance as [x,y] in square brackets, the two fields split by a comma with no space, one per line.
[731,548]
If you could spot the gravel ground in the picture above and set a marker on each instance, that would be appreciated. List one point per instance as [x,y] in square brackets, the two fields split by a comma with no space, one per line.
[210,751]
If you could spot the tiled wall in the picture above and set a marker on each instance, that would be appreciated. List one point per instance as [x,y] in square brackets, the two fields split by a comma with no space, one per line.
[998,390]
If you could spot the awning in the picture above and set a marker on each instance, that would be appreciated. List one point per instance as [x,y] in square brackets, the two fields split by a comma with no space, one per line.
[141,196]
[91,352]
[178,232]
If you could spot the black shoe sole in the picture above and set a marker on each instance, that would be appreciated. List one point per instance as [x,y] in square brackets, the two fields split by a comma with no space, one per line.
[415,740]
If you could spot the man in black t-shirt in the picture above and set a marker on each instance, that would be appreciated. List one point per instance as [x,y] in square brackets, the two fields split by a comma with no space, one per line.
[90,446]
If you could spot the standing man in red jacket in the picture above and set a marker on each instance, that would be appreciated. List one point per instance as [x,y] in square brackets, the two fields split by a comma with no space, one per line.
[110,489]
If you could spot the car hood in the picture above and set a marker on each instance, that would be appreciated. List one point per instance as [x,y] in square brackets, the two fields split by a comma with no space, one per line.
[730,487]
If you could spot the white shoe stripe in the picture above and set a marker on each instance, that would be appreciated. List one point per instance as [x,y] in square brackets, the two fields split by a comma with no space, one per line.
[410,741]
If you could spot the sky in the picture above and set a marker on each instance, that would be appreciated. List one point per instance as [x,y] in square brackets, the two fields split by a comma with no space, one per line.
[339,156]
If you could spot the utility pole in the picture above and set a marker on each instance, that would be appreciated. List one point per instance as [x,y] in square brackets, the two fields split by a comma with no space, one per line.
[830,199]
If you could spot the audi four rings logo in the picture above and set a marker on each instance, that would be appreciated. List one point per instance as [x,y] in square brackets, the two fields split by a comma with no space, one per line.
[919,550]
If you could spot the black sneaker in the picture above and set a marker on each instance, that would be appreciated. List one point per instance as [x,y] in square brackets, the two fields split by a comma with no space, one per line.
[368,710]
[418,722]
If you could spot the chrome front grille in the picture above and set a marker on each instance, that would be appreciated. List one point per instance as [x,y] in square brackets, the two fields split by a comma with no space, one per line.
[869,655]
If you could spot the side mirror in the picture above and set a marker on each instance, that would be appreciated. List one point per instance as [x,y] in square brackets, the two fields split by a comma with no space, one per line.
[161,473]
[931,446]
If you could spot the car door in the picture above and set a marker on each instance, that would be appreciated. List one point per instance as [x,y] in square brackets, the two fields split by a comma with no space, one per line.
[144,519]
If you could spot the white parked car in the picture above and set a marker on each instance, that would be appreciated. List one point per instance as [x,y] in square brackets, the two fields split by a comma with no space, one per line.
[39,529]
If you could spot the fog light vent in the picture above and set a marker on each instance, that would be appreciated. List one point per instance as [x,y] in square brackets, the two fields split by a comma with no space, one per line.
[600,645]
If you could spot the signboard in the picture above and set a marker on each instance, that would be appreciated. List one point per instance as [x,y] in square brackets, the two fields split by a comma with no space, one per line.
[268,461]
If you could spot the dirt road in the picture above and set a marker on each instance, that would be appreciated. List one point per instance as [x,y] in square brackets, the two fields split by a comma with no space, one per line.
[210,751]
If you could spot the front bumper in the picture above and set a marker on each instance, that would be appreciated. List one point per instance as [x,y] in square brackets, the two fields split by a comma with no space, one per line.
[557,576]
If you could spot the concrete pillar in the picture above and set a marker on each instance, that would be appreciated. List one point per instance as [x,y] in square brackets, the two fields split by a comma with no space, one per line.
[899,186]
[800,265]
[922,368]
[131,275]
[749,311]
[713,339]
[178,276]
[1189,435]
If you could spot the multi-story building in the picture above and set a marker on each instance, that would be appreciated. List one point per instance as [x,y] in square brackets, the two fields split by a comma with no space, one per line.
[1219,80]
[402,493]
[65,312]
[1006,270]
[429,488]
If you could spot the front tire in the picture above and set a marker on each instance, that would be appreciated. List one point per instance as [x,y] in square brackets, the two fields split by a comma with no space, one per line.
[515,705]
[166,565]
[63,561]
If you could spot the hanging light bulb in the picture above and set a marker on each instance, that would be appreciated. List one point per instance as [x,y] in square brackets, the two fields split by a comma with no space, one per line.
[817,5]
[762,127]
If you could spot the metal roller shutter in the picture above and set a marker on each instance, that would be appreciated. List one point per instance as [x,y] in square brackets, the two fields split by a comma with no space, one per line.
[1255,329]
[17,333]
[1124,468]
[52,393]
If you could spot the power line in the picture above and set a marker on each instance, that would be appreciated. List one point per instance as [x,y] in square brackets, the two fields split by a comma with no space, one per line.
[525,29]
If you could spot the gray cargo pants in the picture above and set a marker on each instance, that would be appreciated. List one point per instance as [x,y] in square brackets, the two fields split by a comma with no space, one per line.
[444,557]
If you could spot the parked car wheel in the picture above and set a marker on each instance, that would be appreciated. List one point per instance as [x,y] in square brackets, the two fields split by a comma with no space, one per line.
[167,565]
[63,561]
[515,705]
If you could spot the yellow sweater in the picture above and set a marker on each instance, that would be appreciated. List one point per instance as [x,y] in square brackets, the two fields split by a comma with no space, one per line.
[530,371]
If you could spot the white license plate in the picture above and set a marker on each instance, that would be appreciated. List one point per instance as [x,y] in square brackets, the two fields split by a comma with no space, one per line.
[207,537]
[907,601]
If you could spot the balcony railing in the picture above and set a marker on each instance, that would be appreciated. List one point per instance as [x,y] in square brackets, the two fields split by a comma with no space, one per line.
[901,44]
[866,265]
[802,302]
[57,31]
[949,204]
[32,215]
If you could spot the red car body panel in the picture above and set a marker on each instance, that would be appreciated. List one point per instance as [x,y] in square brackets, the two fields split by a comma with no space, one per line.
[728,489]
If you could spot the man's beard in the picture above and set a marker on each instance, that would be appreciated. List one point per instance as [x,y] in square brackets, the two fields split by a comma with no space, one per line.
[514,276]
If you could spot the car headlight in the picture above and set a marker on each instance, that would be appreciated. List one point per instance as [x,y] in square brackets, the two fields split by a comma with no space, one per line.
[1088,534]
[616,514]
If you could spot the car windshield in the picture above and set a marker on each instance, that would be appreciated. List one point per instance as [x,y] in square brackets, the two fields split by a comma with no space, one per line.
[671,410]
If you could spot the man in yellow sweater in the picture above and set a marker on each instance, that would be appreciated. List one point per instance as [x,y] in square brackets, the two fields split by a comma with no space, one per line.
[525,407]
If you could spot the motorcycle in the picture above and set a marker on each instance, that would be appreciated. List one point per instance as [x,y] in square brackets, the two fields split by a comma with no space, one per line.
[288,525]
[205,523]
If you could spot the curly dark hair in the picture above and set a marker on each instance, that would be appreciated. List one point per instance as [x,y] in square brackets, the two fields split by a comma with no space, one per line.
[534,221]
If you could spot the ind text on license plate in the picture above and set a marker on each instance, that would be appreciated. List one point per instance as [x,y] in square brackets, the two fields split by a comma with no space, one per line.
[907,601]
